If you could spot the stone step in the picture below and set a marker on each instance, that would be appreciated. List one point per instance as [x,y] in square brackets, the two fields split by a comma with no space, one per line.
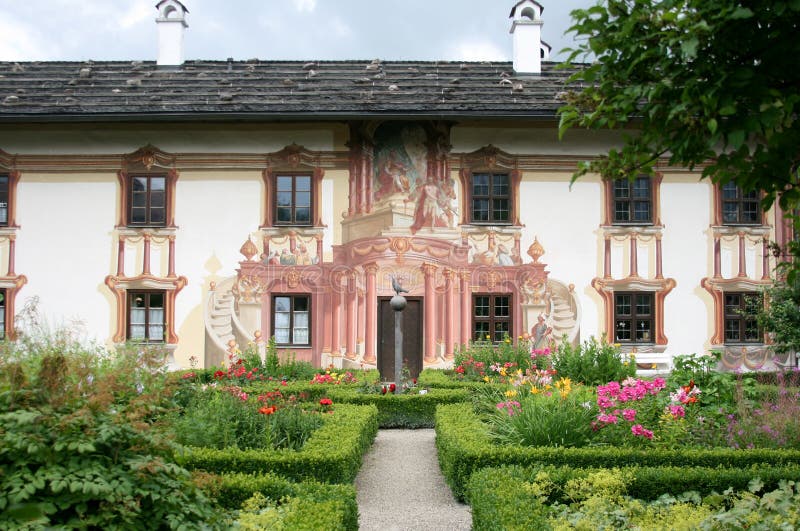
[224,329]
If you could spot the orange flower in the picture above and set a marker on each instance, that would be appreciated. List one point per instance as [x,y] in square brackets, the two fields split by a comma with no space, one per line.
[267,410]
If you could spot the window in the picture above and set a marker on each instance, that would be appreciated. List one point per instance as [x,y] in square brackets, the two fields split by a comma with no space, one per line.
[491,316]
[293,200]
[148,201]
[633,201]
[740,312]
[633,317]
[739,207]
[290,323]
[146,316]
[491,198]
[4,200]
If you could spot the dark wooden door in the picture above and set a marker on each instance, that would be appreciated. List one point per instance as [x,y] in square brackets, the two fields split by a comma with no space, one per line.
[412,337]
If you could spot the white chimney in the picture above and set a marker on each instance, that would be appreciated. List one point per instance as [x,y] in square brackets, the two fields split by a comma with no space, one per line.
[526,29]
[171,22]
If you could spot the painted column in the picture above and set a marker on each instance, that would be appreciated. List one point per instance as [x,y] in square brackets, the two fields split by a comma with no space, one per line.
[120,257]
[319,238]
[634,257]
[466,333]
[430,312]
[765,259]
[362,317]
[371,302]
[336,322]
[607,257]
[659,270]
[171,270]
[146,255]
[449,316]
[717,257]
[350,317]
[742,261]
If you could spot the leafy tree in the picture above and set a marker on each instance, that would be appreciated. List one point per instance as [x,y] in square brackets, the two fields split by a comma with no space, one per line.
[712,83]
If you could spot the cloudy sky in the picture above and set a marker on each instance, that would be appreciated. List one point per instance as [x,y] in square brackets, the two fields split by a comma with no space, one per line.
[71,30]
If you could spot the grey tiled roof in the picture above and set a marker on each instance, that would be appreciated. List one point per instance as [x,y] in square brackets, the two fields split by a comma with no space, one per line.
[274,90]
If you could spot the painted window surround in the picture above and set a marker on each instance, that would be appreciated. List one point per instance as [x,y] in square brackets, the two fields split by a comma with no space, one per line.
[11,282]
[489,159]
[606,286]
[294,297]
[491,319]
[716,285]
[152,161]
[147,313]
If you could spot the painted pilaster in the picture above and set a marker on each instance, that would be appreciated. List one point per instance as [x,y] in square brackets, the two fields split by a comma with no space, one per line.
[449,316]
[121,256]
[171,270]
[765,259]
[742,261]
[351,316]
[717,257]
[336,317]
[464,276]
[634,256]
[371,302]
[659,258]
[430,312]
[146,255]
[607,257]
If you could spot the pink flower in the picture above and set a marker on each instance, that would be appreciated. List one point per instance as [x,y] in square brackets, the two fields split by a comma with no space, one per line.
[607,419]
[677,411]
[629,414]
[640,431]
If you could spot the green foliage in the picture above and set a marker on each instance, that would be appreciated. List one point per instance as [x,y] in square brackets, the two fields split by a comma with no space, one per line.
[294,514]
[332,454]
[233,490]
[81,445]
[592,362]
[408,411]
[442,379]
[718,388]
[665,498]
[781,317]
[465,445]
[542,420]
[701,81]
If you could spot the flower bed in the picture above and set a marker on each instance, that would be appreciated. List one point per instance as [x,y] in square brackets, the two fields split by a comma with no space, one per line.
[465,446]
[332,454]
[541,497]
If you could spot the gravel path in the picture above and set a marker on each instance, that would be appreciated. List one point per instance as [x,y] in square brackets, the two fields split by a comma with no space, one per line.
[400,486]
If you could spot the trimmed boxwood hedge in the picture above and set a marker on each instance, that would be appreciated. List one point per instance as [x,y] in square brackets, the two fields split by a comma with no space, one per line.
[231,490]
[464,446]
[501,498]
[411,410]
[331,455]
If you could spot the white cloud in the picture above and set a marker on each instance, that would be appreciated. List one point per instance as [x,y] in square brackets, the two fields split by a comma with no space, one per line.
[305,5]
[22,42]
[477,51]
[137,13]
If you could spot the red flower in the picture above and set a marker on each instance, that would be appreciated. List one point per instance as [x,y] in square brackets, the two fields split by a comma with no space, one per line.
[219,374]
[283,382]
[392,388]
[325,402]
[383,390]
[267,410]
[188,375]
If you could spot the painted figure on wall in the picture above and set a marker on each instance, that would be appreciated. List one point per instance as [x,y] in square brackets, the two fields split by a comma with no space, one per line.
[433,208]
[402,157]
[540,333]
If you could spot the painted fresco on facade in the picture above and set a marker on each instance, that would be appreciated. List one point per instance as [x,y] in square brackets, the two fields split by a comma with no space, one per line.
[401,173]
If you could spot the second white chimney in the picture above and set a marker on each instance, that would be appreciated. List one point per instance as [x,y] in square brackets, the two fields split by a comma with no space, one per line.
[526,31]
[171,23]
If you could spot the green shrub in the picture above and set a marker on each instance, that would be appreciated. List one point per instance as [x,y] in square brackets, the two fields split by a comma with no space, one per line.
[232,490]
[408,411]
[295,514]
[592,362]
[465,446]
[81,445]
[567,498]
[332,454]
[541,420]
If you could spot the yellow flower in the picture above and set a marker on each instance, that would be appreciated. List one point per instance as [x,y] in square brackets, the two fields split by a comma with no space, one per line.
[617,345]
[503,372]
[534,390]
[625,363]
[508,340]
[486,379]
[488,336]
[511,393]
[654,366]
